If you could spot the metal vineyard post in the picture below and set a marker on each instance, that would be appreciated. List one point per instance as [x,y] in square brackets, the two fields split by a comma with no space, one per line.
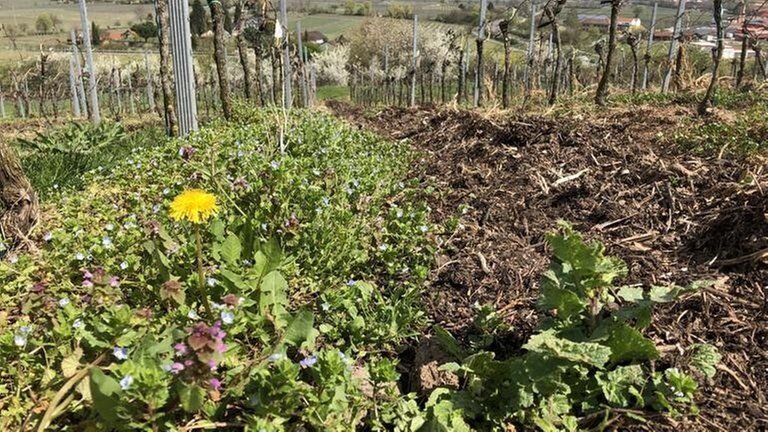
[184,78]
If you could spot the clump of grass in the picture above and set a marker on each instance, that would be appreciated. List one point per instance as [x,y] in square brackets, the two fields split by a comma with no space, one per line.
[57,159]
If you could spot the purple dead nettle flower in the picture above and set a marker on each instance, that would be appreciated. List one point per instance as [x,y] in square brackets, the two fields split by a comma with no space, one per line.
[215,383]
[181,348]
[240,183]
[114,281]
[187,152]
[176,367]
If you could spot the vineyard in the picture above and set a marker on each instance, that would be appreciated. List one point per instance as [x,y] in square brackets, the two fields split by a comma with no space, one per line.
[525,223]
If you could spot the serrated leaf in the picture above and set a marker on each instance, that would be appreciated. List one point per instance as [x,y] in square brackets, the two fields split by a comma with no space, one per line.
[627,343]
[273,298]
[548,343]
[617,385]
[705,359]
[192,397]
[71,363]
[230,250]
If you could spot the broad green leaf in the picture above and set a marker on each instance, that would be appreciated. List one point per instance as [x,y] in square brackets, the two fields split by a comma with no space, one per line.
[631,294]
[231,250]
[192,397]
[549,343]
[567,303]
[301,331]
[273,300]
[626,343]
[104,391]
[71,363]
[705,359]
[217,229]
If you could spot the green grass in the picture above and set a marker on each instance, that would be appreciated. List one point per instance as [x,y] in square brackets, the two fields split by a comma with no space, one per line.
[332,92]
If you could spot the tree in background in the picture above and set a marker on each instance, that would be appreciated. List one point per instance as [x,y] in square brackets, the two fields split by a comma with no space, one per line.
[95,34]
[219,47]
[197,24]
[145,30]
[44,24]
[602,86]
[164,41]
[717,55]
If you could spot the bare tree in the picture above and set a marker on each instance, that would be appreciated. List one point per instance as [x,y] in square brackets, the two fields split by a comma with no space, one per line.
[755,45]
[551,11]
[717,54]
[217,16]
[602,86]
[744,41]
[242,47]
[633,41]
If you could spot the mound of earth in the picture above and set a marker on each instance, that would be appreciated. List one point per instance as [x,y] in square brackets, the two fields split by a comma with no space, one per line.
[617,177]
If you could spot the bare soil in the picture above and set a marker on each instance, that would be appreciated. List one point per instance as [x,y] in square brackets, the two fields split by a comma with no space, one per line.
[618,177]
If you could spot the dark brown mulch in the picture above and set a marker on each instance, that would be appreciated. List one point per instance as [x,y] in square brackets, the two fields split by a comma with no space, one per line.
[617,177]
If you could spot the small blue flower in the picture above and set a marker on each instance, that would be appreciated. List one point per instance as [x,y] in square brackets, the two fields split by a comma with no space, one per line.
[19,340]
[107,242]
[124,265]
[25,329]
[212,282]
[109,227]
[383,247]
[351,282]
[424,228]
[274,164]
[326,201]
[308,362]
[120,353]
[48,236]
[192,315]
[247,263]
[316,172]
[166,191]
[77,324]
[227,317]
[63,302]
[275,357]
[326,306]
[126,382]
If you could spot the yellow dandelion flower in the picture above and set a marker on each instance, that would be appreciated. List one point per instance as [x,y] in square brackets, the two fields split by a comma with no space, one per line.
[194,205]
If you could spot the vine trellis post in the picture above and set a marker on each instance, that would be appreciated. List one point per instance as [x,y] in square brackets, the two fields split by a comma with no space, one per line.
[92,79]
[183,74]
